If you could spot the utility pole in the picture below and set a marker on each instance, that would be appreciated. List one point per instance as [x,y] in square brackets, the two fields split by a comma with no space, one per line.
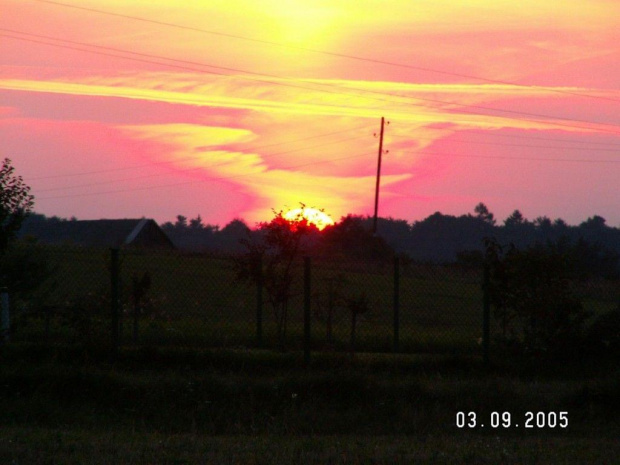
[374,224]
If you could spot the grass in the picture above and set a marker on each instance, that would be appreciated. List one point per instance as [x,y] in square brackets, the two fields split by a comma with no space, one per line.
[35,447]
[195,300]
[146,405]
[171,400]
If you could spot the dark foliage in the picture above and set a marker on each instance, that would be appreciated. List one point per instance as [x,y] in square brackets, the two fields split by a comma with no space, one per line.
[352,239]
[603,335]
[15,203]
[271,259]
[24,268]
[439,238]
[532,293]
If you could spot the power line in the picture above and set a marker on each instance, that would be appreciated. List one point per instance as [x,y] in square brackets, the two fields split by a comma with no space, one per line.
[323,52]
[188,170]
[339,92]
[500,157]
[220,178]
[125,168]
[461,141]
[226,178]
[277,78]
[546,139]
[159,57]
[255,149]
[280,78]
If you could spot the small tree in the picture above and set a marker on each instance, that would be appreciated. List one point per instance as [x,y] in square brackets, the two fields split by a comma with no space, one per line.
[483,213]
[533,295]
[276,245]
[16,203]
[329,301]
[357,305]
[515,219]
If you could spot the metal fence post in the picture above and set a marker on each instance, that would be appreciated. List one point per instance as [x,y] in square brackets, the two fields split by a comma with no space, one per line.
[136,307]
[114,296]
[307,291]
[259,302]
[396,303]
[486,313]
[48,318]
[5,328]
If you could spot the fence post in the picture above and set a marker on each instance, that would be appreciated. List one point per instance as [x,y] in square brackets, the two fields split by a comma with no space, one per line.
[396,303]
[486,313]
[307,291]
[48,318]
[259,302]
[5,327]
[114,296]
[136,306]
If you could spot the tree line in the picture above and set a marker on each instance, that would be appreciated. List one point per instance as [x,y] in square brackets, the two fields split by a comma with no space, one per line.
[439,238]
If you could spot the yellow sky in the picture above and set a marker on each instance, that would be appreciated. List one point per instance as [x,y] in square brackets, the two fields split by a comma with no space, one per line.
[246,109]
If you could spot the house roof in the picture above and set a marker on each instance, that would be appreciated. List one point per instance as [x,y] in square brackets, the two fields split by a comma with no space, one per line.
[104,233]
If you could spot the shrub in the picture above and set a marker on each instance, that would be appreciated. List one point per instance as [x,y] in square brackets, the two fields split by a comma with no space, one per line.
[603,335]
[532,292]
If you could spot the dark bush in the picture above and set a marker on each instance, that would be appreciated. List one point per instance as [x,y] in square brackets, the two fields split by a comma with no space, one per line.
[24,267]
[534,299]
[603,335]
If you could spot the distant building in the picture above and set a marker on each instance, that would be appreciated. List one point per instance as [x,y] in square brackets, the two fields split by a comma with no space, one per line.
[136,233]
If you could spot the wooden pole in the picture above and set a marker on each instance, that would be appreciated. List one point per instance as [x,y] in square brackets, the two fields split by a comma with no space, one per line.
[374,224]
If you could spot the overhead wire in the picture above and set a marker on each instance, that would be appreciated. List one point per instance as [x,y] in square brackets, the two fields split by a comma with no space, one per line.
[501,157]
[226,178]
[337,92]
[322,52]
[217,178]
[278,82]
[461,141]
[147,165]
[194,169]
[546,139]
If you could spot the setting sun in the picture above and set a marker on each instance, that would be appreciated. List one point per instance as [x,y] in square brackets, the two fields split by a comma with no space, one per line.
[316,217]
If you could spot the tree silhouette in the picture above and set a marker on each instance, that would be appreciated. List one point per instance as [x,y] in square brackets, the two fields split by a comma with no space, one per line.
[515,219]
[484,214]
[196,223]
[270,260]
[181,222]
[16,203]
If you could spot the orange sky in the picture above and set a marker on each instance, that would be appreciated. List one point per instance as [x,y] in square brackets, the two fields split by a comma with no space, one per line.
[231,108]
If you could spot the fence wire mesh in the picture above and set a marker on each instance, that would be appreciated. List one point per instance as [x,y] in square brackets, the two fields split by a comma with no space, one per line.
[198,300]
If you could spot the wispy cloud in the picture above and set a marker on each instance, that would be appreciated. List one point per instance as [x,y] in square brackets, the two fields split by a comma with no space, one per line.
[275,184]
[415,103]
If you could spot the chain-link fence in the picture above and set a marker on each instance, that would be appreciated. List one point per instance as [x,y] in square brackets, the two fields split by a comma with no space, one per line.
[156,298]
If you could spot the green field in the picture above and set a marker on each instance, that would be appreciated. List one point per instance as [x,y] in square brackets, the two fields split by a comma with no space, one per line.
[196,300]
[70,404]
[196,389]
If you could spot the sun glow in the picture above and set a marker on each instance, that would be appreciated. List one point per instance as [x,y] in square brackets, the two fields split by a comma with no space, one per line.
[316,217]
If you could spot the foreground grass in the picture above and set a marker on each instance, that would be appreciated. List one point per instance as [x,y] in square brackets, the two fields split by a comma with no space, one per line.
[76,405]
[36,446]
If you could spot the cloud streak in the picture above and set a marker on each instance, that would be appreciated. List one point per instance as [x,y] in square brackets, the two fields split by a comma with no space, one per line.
[406,102]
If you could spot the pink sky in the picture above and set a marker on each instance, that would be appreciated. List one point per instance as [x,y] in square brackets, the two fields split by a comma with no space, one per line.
[235,127]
